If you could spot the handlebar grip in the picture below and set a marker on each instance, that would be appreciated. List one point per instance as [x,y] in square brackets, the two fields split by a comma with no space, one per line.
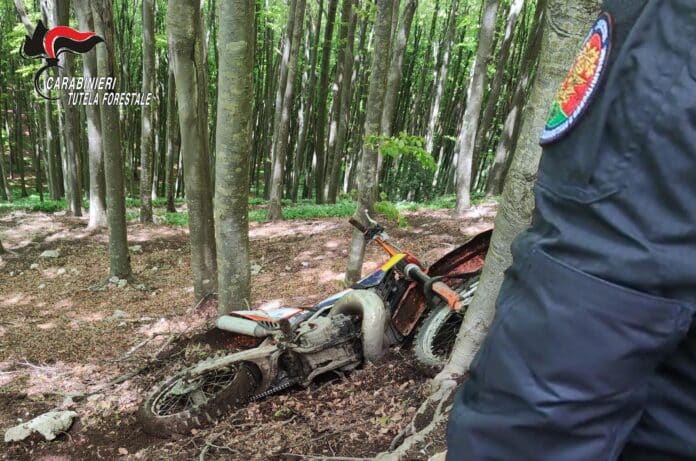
[448,295]
[355,223]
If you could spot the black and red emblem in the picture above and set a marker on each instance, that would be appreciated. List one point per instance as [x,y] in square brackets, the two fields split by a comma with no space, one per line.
[50,44]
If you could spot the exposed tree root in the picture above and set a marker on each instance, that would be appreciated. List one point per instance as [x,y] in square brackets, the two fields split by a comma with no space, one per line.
[430,419]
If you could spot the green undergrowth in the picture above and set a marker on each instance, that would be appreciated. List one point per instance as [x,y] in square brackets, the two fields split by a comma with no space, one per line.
[258,208]
[34,203]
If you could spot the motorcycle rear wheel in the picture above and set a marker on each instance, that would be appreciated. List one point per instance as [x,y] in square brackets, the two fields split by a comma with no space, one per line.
[437,334]
[189,399]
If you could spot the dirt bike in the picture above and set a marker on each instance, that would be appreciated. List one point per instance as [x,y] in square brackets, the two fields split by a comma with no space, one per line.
[399,301]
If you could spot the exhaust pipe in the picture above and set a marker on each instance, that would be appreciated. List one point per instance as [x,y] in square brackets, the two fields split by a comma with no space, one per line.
[374,319]
[242,326]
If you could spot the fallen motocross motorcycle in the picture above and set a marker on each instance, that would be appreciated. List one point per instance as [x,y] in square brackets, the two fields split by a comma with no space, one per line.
[399,301]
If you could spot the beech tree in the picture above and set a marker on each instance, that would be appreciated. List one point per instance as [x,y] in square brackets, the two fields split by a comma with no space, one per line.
[320,127]
[119,259]
[367,184]
[173,137]
[474,100]
[71,119]
[280,151]
[146,130]
[233,151]
[564,28]
[186,39]
[340,111]
[97,184]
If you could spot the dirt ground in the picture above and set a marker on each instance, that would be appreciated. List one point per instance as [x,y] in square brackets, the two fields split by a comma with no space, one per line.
[69,342]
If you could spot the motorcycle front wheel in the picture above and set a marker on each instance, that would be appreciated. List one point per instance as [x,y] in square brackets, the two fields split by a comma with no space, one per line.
[435,338]
[191,399]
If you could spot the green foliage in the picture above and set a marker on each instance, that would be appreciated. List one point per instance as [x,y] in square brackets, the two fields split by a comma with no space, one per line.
[445,202]
[176,219]
[403,145]
[307,210]
[33,203]
[390,211]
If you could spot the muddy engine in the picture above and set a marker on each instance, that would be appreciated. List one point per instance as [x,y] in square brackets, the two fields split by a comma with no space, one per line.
[327,344]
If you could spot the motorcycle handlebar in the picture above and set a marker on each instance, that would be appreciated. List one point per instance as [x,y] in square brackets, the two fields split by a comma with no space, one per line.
[441,289]
[355,223]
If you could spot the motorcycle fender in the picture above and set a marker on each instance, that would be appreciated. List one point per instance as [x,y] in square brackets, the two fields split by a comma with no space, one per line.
[468,258]
[265,357]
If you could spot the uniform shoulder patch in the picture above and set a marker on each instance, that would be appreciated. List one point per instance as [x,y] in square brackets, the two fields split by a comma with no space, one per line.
[581,83]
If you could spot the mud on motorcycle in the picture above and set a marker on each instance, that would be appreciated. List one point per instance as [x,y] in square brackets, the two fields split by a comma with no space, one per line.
[399,301]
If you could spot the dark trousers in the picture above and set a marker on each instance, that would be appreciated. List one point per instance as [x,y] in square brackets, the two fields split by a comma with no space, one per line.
[574,368]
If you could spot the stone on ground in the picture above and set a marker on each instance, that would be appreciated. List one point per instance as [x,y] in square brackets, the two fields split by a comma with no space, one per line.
[49,425]
[50,254]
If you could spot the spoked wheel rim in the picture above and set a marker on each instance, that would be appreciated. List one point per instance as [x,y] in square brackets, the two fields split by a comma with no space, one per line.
[189,393]
[446,335]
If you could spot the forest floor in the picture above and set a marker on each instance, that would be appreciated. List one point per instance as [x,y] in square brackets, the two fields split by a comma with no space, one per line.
[67,341]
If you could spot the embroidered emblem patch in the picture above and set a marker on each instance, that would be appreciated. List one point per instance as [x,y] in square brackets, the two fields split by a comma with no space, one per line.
[581,83]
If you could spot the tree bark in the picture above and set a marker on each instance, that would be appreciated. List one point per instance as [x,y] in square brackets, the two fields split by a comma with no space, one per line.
[53,137]
[320,127]
[119,259]
[71,122]
[395,68]
[474,99]
[367,184]
[19,142]
[5,189]
[97,185]
[565,26]
[233,148]
[280,93]
[441,78]
[281,141]
[344,92]
[497,82]
[186,41]
[146,134]
[508,140]
[173,141]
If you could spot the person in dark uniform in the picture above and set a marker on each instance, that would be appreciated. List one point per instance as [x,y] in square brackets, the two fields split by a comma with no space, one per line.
[592,353]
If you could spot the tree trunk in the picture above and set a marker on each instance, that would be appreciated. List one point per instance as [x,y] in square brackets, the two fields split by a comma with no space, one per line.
[395,68]
[497,83]
[173,141]
[441,78]
[474,99]
[71,122]
[97,197]
[53,161]
[320,127]
[35,136]
[19,143]
[52,134]
[233,149]
[281,142]
[344,93]
[570,22]
[280,93]
[146,133]
[111,144]
[565,27]
[511,129]
[367,184]
[186,41]
[4,189]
